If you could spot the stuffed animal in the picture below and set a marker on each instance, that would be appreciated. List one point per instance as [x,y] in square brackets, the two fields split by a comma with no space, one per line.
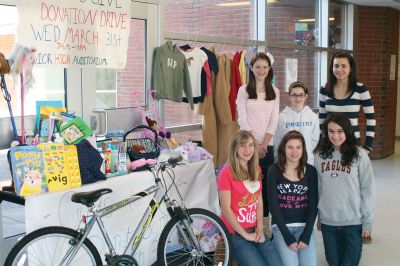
[4,65]
[152,123]
[192,153]
[21,60]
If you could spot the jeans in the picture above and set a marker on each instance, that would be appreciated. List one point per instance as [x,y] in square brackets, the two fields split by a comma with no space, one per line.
[304,257]
[265,163]
[248,253]
[343,244]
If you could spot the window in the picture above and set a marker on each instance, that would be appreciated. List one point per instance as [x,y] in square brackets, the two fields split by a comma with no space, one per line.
[337,26]
[48,82]
[292,22]
[125,87]
[292,65]
[212,18]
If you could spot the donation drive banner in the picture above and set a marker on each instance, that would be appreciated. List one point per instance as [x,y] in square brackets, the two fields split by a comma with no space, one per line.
[76,33]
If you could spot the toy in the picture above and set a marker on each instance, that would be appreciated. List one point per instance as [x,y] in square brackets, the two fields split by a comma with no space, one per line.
[21,61]
[4,65]
[138,164]
[152,118]
[18,63]
[75,130]
[192,153]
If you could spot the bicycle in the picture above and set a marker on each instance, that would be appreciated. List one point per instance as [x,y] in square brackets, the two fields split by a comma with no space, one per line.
[191,237]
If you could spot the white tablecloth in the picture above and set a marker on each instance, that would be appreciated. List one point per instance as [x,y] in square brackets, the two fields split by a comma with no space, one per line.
[196,182]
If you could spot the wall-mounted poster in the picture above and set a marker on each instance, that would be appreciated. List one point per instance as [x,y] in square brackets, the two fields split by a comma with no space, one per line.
[290,71]
[82,33]
[304,33]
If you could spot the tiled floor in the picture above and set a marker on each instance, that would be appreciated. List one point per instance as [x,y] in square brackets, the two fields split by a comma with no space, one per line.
[383,251]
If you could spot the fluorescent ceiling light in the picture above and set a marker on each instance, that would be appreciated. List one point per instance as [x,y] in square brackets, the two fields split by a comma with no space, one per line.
[312,19]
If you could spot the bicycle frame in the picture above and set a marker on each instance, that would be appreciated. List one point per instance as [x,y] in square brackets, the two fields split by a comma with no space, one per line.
[159,196]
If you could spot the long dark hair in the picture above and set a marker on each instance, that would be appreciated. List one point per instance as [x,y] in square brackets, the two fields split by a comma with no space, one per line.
[251,86]
[240,173]
[332,80]
[293,134]
[348,149]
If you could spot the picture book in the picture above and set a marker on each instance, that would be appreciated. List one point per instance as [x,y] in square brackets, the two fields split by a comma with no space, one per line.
[61,166]
[45,103]
[28,170]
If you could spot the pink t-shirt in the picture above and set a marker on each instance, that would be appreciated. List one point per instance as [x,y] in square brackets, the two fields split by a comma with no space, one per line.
[244,198]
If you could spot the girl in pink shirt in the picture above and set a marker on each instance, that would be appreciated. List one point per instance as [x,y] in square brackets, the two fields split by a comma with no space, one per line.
[240,193]
[258,112]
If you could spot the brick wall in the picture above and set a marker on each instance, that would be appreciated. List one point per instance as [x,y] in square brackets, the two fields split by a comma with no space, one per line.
[131,80]
[376,38]
[281,20]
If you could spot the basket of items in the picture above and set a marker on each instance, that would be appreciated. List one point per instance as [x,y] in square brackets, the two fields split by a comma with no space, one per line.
[142,143]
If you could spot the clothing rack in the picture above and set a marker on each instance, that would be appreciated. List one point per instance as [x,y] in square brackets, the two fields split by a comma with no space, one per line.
[194,37]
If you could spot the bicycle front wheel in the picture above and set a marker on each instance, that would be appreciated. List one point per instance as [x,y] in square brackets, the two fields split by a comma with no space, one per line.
[210,232]
[49,246]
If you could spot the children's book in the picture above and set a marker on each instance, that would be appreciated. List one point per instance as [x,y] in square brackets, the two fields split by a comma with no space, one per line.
[45,103]
[28,170]
[61,166]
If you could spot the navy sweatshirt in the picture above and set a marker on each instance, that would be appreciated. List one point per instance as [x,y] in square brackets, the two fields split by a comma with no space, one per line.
[293,202]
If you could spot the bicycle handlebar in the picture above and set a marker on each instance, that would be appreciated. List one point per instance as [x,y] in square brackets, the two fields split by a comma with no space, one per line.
[172,161]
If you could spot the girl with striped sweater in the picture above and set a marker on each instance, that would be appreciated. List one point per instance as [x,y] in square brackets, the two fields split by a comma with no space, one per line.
[343,94]
[258,112]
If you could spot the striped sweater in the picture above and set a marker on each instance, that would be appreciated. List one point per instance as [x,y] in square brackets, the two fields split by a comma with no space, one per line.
[360,97]
[258,115]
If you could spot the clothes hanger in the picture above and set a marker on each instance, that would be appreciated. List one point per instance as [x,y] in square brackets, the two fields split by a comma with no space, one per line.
[186,46]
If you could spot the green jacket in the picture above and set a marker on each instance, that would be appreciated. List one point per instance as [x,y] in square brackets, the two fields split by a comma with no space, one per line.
[170,77]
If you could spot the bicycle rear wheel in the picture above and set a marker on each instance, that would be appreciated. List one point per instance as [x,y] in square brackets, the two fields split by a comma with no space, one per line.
[48,246]
[211,234]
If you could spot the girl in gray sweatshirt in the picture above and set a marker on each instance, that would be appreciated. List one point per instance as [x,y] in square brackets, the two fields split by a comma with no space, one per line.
[346,191]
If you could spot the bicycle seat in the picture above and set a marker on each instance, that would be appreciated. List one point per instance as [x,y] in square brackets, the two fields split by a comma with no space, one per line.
[88,198]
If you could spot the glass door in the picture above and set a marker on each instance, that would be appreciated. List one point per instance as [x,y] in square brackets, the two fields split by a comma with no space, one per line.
[110,97]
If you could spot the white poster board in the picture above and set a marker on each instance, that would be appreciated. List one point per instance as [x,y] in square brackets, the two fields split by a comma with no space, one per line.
[77,33]
[290,71]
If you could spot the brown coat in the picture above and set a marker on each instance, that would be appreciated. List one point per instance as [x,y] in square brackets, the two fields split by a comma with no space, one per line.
[209,126]
[225,126]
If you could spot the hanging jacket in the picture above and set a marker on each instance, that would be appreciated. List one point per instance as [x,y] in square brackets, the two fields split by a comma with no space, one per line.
[170,77]
[226,127]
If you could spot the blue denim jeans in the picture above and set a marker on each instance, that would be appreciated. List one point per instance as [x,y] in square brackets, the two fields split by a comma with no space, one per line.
[343,244]
[248,253]
[304,257]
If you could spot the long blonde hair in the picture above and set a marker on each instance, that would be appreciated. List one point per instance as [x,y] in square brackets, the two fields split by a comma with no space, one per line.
[240,173]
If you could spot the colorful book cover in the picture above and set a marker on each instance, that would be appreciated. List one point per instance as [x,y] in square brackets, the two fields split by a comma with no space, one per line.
[28,170]
[61,166]
[45,103]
